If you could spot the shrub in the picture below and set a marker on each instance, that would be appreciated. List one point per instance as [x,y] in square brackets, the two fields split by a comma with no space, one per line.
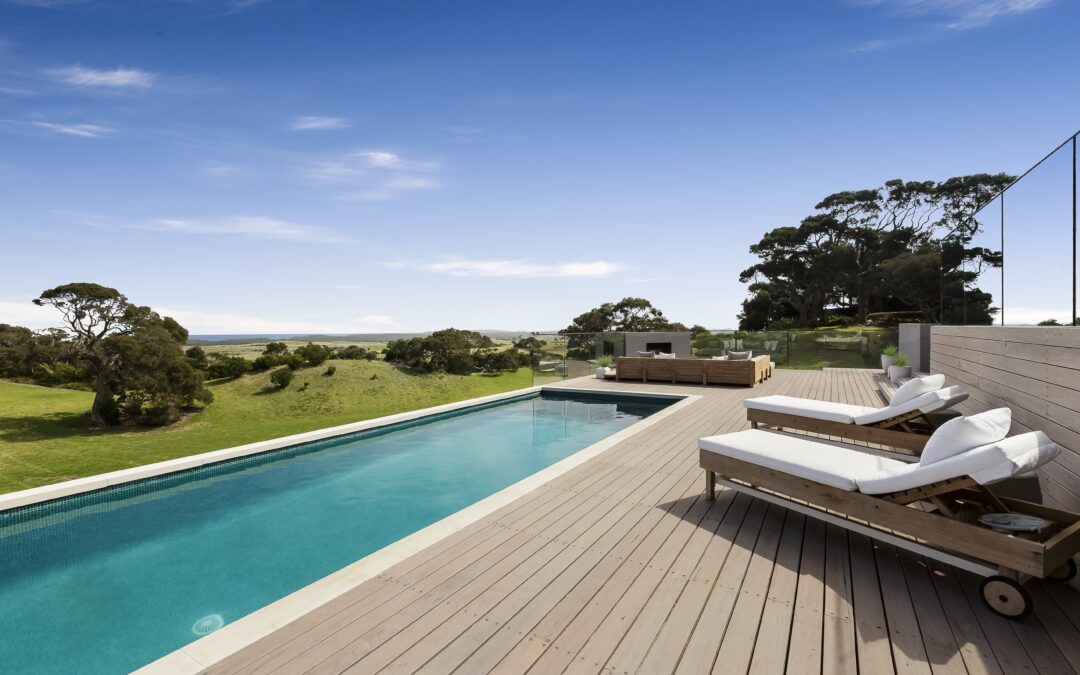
[890,350]
[899,360]
[227,366]
[604,361]
[330,371]
[314,354]
[281,378]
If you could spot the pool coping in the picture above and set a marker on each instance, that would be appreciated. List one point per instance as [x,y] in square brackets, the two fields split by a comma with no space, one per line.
[211,649]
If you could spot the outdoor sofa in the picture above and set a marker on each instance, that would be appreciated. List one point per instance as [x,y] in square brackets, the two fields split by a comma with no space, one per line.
[747,372]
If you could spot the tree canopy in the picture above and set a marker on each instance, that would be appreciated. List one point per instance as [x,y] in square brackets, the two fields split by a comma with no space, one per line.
[133,355]
[904,246]
[627,315]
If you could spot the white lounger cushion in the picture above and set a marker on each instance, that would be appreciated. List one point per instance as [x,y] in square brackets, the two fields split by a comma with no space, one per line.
[1013,456]
[809,407]
[916,387]
[800,456]
[851,469]
[856,414]
[964,433]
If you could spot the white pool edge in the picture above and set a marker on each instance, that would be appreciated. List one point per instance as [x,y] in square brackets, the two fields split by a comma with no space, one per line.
[213,648]
[219,645]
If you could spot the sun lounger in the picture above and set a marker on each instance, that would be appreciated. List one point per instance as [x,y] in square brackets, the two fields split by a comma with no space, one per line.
[929,507]
[902,424]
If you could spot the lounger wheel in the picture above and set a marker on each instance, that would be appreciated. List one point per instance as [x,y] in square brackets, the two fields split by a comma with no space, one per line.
[1066,572]
[1006,597]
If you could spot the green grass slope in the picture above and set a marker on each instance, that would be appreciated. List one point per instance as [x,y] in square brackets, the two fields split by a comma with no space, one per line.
[43,437]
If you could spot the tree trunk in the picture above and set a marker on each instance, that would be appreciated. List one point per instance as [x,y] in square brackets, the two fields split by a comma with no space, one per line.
[100,412]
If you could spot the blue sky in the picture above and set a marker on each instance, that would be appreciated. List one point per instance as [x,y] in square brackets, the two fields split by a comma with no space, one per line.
[284,165]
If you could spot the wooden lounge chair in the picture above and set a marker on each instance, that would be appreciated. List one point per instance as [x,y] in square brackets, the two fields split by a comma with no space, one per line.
[931,509]
[903,424]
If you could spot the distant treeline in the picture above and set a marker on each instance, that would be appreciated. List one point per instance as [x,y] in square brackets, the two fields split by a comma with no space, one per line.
[460,352]
[354,337]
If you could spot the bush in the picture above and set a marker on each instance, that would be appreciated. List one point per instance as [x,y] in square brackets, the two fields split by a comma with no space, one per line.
[890,350]
[605,361]
[330,371]
[894,318]
[314,354]
[281,378]
[226,366]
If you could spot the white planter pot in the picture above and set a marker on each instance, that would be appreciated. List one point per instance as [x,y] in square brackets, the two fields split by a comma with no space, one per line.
[897,373]
[600,373]
[887,361]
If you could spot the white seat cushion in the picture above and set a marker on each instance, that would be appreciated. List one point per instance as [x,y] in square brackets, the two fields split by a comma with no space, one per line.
[1009,457]
[809,407]
[964,433]
[916,387]
[801,456]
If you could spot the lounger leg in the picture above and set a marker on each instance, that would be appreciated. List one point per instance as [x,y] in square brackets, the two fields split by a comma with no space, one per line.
[753,425]
[710,485]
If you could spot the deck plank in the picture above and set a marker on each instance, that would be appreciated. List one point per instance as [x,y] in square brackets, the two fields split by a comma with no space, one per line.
[621,566]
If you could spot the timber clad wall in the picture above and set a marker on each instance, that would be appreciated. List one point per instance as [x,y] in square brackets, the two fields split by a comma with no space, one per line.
[1034,371]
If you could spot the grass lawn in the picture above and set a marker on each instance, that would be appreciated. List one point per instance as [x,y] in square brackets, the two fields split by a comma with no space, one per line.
[43,437]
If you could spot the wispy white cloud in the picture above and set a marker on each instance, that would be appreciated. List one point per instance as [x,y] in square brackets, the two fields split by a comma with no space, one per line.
[869,47]
[119,78]
[391,188]
[81,130]
[514,268]
[256,227]
[222,170]
[374,175]
[16,91]
[312,123]
[961,14]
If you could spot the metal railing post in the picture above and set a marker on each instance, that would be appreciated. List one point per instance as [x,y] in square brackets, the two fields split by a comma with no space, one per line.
[1074,230]
[1002,258]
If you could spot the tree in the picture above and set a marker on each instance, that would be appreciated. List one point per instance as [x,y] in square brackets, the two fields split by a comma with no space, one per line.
[627,315]
[281,377]
[134,356]
[93,313]
[221,366]
[849,253]
[449,351]
[196,356]
[154,379]
[314,354]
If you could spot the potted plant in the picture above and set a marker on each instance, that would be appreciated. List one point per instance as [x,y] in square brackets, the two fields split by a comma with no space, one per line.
[603,363]
[888,357]
[899,369]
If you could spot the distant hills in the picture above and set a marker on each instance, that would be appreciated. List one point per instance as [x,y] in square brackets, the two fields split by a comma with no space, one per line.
[257,338]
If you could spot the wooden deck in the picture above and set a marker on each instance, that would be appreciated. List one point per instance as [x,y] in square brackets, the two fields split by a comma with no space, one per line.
[622,566]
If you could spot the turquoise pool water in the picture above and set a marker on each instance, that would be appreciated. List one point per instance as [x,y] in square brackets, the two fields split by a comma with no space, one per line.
[111,580]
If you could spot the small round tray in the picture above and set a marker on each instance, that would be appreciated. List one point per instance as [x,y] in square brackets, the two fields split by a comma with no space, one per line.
[1013,522]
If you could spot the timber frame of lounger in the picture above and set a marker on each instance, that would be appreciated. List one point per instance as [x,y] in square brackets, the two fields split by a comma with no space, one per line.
[938,535]
[909,431]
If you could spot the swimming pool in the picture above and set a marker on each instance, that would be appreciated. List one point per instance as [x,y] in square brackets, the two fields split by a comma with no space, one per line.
[110,580]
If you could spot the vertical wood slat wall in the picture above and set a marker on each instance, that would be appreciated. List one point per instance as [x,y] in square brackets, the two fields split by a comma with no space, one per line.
[1034,371]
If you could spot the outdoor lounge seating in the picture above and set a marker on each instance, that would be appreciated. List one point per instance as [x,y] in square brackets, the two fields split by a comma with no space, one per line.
[929,507]
[903,424]
[746,372]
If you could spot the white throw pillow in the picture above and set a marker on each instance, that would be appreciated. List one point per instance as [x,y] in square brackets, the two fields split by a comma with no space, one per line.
[663,355]
[917,387]
[961,434]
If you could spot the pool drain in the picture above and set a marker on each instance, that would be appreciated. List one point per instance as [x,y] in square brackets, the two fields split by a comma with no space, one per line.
[207,624]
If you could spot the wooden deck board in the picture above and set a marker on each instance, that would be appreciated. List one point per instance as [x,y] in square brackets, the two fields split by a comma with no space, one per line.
[621,566]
